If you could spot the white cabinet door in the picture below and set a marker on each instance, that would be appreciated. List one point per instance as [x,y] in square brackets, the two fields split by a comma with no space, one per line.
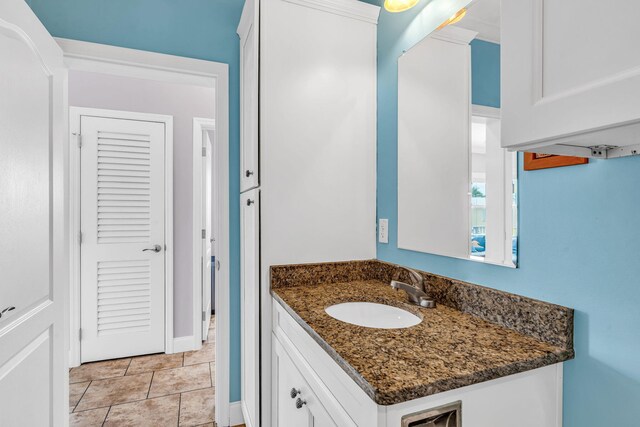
[250,305]
[122,252]
[34,256]
[433,142]
[249,34]
[295,404]
[563,77]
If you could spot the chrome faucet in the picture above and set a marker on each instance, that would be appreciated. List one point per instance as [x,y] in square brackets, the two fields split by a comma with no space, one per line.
[415,294]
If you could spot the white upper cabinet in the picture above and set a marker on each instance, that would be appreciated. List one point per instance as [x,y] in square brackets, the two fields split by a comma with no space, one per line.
[571,76]
[248,30]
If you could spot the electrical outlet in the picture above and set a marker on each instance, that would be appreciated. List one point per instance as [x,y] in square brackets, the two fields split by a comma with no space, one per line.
[383,230]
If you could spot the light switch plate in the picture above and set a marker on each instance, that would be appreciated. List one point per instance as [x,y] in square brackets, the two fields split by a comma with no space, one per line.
[383,230]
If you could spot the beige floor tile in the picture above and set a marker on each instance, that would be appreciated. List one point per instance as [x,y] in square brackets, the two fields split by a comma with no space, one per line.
[158,412]
[177,380]
[197,407]
[206,354]
[90,418]
[99,370]
[211,335]
[154,362]
[115,390]
[76,391]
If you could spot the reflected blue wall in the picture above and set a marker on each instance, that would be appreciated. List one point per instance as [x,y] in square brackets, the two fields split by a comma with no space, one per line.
[485,73]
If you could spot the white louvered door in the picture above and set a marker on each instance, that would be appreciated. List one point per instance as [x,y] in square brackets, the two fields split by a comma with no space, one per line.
[122,218]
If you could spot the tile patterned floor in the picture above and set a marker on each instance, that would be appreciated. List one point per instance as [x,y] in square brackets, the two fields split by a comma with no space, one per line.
[156,390]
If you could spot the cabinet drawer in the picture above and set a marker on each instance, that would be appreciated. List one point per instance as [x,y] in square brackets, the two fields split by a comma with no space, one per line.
[332,385]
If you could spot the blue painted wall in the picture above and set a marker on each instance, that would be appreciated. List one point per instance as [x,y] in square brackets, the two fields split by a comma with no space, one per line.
[203,29]
[485,73]
[579,247]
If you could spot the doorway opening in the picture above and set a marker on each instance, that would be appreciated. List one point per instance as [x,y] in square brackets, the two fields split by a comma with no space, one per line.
[125,88]
[207,182]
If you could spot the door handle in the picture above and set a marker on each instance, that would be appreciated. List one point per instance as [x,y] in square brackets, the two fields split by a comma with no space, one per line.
[6,310]
[155,248]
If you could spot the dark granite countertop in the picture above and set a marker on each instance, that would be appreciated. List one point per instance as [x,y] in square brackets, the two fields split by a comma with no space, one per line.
[448,349]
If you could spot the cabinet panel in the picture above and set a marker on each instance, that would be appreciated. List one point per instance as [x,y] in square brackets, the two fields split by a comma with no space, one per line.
[250,305]
[567,80]
[249,35]
[295,404]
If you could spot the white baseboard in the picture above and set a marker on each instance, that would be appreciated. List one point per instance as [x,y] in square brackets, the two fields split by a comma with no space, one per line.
[235,413]
[181,344]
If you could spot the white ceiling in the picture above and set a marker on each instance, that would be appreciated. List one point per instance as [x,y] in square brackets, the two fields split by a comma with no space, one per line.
[483,16]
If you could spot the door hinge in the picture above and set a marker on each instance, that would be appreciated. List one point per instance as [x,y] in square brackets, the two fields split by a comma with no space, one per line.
[80,237]
[204,316]
[80,334]
[204,233]
[79,137]
[204,151]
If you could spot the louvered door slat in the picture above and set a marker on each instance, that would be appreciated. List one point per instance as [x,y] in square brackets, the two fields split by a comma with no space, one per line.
[122,214]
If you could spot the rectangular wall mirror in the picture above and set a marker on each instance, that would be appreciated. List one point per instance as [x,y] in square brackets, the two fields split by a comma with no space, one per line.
[457,188]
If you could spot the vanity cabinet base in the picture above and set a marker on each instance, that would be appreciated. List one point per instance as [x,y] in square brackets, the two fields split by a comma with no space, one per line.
[333,398]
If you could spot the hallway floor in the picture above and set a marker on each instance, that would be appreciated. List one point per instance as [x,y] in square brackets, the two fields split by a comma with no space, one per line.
[154,390]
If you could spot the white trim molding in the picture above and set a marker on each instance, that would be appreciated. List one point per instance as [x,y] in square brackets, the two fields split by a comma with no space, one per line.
[74,185]
[119,61]
[235,414]
[94,57]
[485,111]
[351,9]
[182,344]
[456,35]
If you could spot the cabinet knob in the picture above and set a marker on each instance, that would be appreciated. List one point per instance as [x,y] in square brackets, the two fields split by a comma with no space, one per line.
[294,393]
[300,403]
[249,202]
[248,173]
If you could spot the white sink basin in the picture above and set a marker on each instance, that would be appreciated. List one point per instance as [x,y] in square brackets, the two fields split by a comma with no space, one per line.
[373,315]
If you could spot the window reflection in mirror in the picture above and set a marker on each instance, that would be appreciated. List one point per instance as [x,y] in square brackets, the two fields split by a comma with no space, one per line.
[457,188]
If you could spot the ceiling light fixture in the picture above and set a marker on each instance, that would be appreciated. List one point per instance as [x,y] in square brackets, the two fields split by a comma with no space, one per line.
[455,18]
[395,6]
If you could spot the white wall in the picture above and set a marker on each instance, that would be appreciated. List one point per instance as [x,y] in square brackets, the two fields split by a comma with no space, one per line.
[183,102]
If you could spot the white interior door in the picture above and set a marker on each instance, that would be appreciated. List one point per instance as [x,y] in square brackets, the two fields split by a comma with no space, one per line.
[123,237]
[207,241]
[33,251]
[250,305]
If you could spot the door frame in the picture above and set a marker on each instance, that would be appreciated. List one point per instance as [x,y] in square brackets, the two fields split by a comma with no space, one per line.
[74,185]
[220,170]
[113,60]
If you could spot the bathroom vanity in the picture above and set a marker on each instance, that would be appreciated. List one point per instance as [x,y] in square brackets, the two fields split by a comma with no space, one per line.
[479,358]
